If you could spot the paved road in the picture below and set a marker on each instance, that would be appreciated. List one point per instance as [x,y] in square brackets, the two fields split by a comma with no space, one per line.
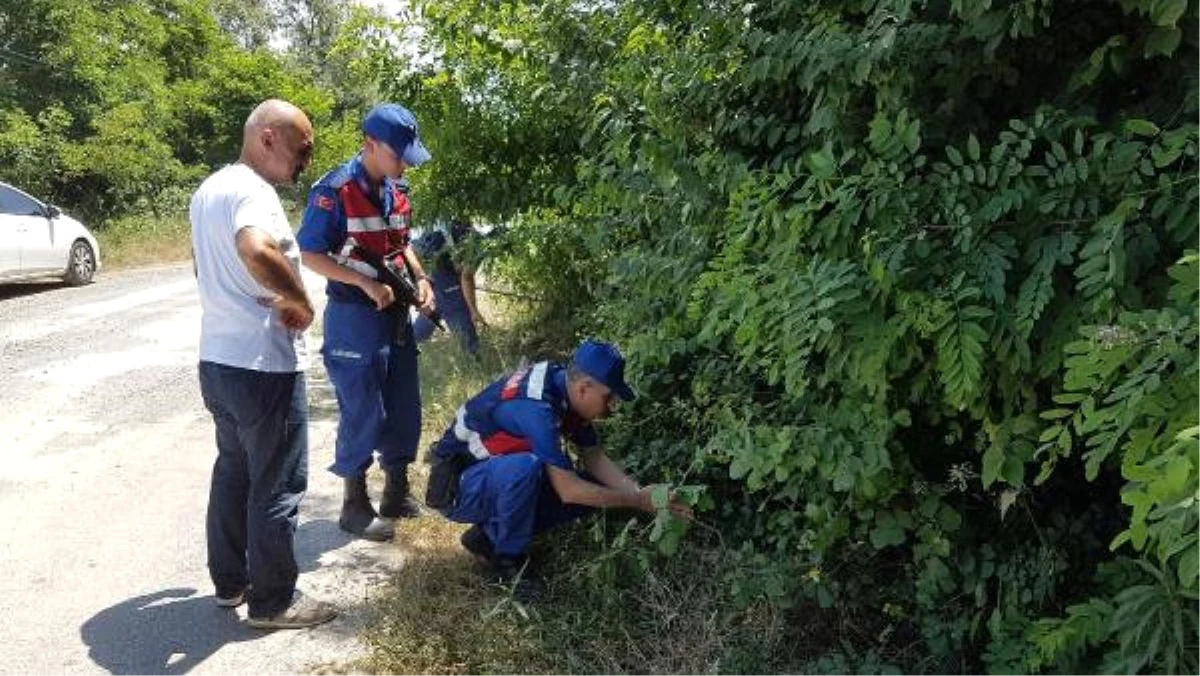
[106,450]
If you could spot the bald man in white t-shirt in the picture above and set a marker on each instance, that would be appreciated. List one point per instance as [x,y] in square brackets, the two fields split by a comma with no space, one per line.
[252,361]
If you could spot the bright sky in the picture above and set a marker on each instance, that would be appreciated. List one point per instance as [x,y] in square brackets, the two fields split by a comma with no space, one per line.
[390,6]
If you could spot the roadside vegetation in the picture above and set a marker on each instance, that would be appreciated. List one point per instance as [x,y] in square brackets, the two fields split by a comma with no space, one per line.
[615,603]
[119,130]
[133,241]
[909,288]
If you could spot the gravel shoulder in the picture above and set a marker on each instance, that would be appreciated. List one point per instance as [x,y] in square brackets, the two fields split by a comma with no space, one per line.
[107,452]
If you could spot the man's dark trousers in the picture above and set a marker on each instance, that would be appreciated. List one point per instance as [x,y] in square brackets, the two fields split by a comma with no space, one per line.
[258,479]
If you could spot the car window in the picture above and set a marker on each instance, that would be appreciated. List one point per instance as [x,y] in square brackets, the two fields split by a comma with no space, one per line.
[13,202]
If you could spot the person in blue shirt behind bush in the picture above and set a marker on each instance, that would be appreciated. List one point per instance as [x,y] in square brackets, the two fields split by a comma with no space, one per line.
[453,285]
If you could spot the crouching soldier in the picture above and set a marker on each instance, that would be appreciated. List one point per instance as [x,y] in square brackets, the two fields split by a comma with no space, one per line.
[501,466]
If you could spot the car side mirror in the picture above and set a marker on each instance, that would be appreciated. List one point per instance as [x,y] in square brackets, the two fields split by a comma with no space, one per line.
[53,211]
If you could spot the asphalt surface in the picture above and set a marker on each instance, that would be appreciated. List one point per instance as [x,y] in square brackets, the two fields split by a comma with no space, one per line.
[106,453]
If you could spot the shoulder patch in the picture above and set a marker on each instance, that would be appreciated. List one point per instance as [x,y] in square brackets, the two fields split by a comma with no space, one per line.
[335,178]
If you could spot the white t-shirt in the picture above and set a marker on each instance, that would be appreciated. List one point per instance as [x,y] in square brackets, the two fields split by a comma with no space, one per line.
[238,327]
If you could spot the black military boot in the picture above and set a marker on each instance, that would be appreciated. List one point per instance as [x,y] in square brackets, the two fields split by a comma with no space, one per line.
[397,502]
[359,517]
[475,541]
[514,573]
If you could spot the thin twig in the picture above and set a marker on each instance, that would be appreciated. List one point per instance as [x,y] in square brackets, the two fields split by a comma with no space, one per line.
[512,294]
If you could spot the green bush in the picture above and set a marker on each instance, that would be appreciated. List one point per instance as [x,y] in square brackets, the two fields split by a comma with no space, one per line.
[910,286]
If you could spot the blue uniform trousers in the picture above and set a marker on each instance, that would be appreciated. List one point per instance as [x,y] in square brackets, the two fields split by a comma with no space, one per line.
[453,307]
[258,479]
[511,499]
[377,386]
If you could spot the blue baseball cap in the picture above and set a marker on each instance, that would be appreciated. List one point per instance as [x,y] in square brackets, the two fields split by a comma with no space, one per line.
[396,126]
[603,362]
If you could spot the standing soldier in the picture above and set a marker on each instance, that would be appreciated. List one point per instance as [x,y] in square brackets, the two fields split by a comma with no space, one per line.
[369,350]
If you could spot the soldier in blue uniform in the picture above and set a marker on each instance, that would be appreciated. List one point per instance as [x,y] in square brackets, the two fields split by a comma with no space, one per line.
[501,466]
[453,285]
[368,348]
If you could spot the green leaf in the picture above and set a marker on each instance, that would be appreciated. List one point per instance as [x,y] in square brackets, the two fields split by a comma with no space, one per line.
[1167,12]
[1049,434]
[773,135]
[660,497]
[1068,398]
[993,460]
[1163,41]
[960,352]
[824,598]
[1172,484]
[1141,127]
[887,533]
[973,147]
[1189,568]
[820,163]
[880,133]
[1190,434]
[1013,471]
[949,519]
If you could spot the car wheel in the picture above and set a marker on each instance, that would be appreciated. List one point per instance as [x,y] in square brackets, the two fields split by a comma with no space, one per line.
[81,265]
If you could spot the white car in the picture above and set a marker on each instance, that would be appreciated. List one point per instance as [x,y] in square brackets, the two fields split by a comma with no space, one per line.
[38,239]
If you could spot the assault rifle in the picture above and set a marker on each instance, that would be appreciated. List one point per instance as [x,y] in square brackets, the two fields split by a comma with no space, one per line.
[400,279]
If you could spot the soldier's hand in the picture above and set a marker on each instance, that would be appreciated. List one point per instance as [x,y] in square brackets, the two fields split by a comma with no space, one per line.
[675,506]
[381,294]
[427,302]
[679,509]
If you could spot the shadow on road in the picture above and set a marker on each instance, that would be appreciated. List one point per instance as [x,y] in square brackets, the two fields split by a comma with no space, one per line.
[17,289]
[317,537]
[167,632]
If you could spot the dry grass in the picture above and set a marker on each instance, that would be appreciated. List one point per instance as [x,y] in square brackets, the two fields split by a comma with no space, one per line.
[608,608]
[438,617]
[140,240]
[143,240]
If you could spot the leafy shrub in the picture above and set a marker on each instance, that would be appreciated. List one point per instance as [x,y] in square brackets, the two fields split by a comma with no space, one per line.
[911,287]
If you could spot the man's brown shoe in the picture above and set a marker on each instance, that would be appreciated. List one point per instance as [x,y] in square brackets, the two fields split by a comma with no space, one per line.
[303,612]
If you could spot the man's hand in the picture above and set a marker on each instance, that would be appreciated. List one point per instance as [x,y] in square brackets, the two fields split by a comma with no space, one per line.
[381,294]
[674,505]
[266,263]
[294,315]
